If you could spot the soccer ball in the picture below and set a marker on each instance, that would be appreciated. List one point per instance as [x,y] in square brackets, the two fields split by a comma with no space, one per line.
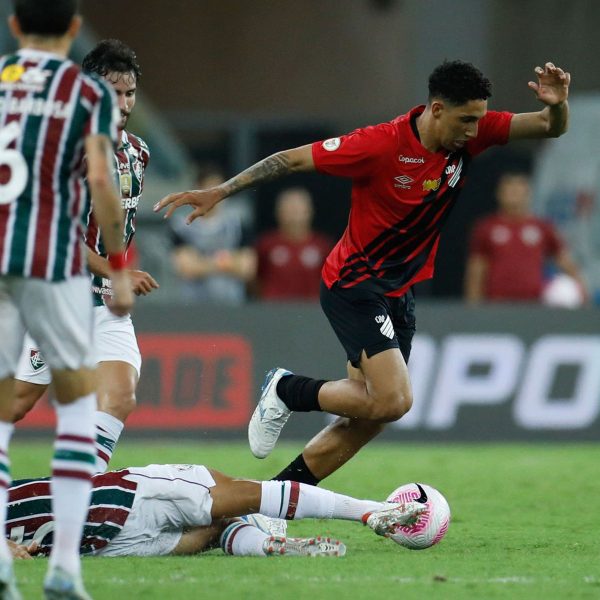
[431,525]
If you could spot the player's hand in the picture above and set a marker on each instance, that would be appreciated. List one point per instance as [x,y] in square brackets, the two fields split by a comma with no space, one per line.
[142,283]
[19,551]
[552,86]
[122,299]
[202,200]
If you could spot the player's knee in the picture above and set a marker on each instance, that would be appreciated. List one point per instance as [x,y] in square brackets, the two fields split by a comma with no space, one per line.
[120,405]
[391,407]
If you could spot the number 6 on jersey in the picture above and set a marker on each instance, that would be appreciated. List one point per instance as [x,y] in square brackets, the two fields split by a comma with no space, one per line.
[12,187]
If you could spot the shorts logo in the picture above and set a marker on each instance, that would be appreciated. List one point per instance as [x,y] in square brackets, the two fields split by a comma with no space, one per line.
[36,359]
[386,328]
[332,144]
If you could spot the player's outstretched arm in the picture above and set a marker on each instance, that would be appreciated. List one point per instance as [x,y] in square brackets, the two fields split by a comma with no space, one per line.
[277,165]
[552,89]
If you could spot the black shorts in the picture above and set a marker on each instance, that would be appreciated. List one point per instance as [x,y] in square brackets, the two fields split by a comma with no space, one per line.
[365,320]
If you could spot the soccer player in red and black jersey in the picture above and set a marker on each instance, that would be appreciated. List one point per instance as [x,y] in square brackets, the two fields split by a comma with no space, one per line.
[406,176]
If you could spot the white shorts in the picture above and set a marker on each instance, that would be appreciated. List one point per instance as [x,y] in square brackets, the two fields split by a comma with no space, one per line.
[57,314]
[168,500]
[114,339]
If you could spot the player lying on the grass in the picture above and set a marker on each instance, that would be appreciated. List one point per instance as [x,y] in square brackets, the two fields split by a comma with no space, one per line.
[185,509]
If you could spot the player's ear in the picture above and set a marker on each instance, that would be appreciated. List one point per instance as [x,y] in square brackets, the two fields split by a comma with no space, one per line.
[14,26]
[437,108]
[74,27]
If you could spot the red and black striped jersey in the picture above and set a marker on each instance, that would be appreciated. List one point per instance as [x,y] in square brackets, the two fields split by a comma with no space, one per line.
[29,511]
[401,196]
[47,109]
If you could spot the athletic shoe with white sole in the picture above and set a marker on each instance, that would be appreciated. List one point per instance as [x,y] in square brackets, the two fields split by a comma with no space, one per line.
[8,584]
[384,521]
[270,525]
[319,546]
[61,585]
[269,417]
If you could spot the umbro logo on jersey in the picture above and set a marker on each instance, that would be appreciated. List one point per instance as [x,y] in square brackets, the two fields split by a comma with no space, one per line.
[403,181]
[411,160]
[386,328]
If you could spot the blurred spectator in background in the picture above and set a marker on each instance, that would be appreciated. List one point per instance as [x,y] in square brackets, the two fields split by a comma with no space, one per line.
[213,255]
[290,257]
[509,249]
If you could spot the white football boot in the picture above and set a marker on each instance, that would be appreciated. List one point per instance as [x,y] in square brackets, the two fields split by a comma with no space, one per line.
[270,525]
[269,417]
[384,521]
[319,546]
[61,585]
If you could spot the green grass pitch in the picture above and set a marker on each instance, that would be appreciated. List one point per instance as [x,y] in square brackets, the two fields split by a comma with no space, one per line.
[526,524]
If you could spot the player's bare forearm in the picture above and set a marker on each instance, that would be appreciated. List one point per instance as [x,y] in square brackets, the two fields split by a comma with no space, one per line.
[558,119]
[97,264]
[273,167]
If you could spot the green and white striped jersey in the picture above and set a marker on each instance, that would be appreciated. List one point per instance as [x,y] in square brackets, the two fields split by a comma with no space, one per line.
[47,109]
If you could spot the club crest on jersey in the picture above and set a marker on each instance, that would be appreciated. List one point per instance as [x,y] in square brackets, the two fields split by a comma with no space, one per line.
[138,169]
[431,185]
[36,359]
[125,183]
[332,144]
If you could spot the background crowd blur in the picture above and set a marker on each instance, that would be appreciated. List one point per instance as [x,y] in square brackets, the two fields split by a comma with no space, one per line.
[227,83]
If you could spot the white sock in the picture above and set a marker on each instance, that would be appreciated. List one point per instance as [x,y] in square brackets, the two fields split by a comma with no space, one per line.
[292,500]
[243,539]
[108,432]
[73,464]
[351,509]
[6,430]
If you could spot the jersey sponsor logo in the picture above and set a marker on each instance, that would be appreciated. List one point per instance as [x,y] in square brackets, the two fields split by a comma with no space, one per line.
[431,185]
[332,144]
[450,169]
[386,328]
[17,77]
[128,203]
[411,160]
[403,181]
[36,359]
[12,73]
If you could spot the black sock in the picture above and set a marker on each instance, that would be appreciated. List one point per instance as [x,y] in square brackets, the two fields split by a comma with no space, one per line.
[297,471]
[298,393]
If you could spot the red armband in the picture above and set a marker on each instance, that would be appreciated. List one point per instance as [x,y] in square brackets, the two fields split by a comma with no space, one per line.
[117,261]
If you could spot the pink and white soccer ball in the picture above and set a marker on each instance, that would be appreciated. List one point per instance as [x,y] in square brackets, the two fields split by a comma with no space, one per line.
[431,525]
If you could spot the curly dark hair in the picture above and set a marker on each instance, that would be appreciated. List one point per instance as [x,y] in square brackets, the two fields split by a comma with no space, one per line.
[458,82]
[111,56]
